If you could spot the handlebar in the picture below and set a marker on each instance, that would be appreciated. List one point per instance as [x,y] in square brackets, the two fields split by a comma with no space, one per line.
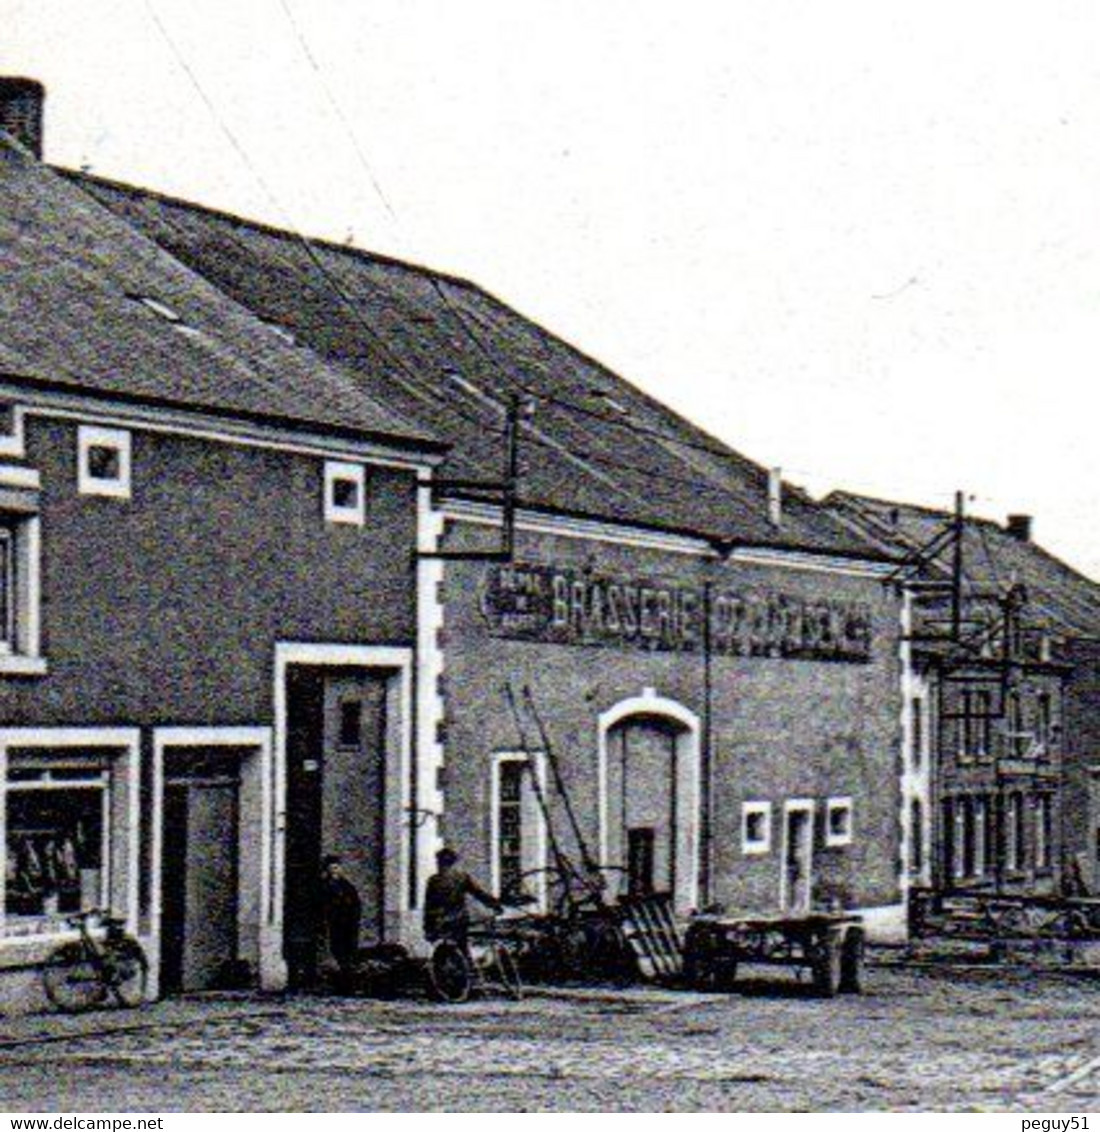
[104,915]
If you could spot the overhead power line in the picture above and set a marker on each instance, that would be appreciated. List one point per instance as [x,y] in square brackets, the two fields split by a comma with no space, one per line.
[412,384]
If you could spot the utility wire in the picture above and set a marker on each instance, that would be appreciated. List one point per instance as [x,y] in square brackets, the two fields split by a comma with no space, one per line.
[412,384]
[460,320]
[337,109]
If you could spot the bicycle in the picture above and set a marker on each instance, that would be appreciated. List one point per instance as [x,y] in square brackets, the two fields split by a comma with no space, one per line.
[484,962]
[83,973]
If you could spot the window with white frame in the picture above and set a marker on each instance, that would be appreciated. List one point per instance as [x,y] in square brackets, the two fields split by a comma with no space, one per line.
[756,828]
[518,851]
[103,461]
[57,825]
[7,588]
[68,800]
[345,490]
[19,592]
[838,821]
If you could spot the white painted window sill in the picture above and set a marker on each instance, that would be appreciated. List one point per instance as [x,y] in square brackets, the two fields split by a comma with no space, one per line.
[14,665]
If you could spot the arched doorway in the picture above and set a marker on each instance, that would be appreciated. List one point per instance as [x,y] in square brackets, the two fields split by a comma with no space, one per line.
[649,780]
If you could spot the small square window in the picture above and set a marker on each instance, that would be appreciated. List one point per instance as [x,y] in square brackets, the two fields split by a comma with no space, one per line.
[756,828]
[344,493]
[104,461]
[838,821]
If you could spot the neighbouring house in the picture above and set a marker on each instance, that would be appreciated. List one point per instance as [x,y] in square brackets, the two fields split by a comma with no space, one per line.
[207,574]
[1001,721]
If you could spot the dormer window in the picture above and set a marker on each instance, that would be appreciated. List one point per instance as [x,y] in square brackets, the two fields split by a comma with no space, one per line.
[103,461]
[156,306]
[344,493]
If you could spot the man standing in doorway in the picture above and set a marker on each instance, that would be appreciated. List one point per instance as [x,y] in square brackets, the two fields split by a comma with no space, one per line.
[342,909]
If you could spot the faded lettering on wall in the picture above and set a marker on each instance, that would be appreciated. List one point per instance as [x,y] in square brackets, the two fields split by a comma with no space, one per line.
[535,602]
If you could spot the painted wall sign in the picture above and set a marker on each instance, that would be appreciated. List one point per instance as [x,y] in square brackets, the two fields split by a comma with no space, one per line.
[573,607]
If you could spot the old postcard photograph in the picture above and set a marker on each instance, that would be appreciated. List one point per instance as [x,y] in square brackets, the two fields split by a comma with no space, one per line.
[549,557]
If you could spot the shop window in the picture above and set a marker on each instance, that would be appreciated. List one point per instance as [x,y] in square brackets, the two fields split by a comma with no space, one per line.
[57,822]
[518,850]
[344,493]
[103,456]
[838,822]
[756,828]
[916,837]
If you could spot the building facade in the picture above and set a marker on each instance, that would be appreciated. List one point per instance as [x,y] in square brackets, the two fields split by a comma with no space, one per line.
[1001,705]
[268,595]
[209,590]
[725,728]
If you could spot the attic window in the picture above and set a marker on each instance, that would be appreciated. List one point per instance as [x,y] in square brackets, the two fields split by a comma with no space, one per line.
[608,401]
[103,462]
[344,493]
[156,306]
[285,334]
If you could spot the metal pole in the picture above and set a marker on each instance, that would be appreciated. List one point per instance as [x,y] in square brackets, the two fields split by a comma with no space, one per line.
[957,570]
[511,476]
[706,804]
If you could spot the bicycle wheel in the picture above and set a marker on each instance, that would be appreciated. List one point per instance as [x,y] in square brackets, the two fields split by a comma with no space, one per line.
[450,976]
[128,971]
[72,978]
[506,967]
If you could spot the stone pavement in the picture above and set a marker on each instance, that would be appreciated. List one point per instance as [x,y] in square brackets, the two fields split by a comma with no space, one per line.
[914,1040]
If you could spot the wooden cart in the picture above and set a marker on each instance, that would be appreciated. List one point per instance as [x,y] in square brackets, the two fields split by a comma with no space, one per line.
[829,945]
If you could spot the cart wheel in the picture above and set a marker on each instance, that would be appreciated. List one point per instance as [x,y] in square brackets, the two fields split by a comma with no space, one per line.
[851,962]
[826,968]
[705,967]
[450,976]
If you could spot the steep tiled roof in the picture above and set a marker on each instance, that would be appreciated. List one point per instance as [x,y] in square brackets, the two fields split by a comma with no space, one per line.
[90,303]
[993,559]
[443,351]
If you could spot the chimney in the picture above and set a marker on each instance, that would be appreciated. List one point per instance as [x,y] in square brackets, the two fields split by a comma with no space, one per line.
[775,496]
[1019,527]
[21,111]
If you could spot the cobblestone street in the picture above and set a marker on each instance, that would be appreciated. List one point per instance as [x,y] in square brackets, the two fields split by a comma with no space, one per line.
[913,1040]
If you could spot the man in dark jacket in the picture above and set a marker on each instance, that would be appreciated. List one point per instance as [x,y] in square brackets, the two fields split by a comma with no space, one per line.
[342,908]
[445,913]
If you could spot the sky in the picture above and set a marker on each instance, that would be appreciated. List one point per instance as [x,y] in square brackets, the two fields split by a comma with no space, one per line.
[858,241]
